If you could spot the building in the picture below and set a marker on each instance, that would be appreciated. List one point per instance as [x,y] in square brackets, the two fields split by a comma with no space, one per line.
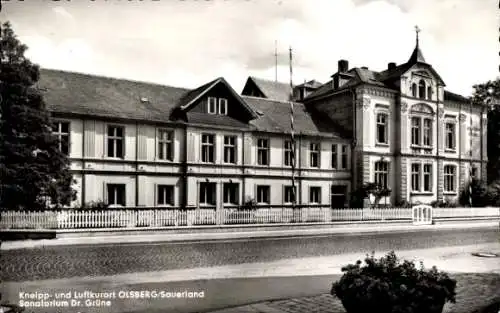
[408,133]
[138,144]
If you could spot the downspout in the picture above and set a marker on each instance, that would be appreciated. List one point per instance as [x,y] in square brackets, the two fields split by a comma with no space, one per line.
[83,165]
[184,168]
[482,143]
[354,142]
[243,185]
[137,165]
[299,170]
[438,131]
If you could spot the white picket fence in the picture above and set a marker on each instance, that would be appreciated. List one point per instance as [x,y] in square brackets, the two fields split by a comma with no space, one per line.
[161,217]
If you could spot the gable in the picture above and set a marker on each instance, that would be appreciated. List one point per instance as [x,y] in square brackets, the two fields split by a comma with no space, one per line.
[251,89]
[423,71]
[218,103]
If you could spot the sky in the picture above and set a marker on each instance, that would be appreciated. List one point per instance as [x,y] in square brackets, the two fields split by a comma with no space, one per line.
[187,43]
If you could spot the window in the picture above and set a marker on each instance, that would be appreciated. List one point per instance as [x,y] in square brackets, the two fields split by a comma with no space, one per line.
[315,195]
[207,148]
[231,193]
[314,153]
[427,132]
[415,177]
[421,131]
[230,149]
[450,142]
[222,106]
[334,157]
[212,105]
[165,144]
[382,119]
[115,142]
[343,160]
[217,106]
[263,151]
[421,177]
[449,178]
[289,194]
[382,173]
[207,193]
[288,157]
[414,90]
[61,131]
[421,89]
[415,131]
[429,92]
[165,195]
[428,177]
[263,194]
[116,194]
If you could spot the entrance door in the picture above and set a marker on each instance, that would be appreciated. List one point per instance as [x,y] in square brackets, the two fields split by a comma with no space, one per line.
[338,196]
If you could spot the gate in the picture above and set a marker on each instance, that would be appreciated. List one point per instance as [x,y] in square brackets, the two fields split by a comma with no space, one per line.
[422,215]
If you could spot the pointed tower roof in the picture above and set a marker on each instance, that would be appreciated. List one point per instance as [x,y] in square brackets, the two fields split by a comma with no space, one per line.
[416,56]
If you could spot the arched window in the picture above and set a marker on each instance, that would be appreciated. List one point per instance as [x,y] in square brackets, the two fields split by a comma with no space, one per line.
[414,90]
[421,89]
[429,92]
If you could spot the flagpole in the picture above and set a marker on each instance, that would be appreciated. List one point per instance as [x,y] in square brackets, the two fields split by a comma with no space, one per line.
[292,135]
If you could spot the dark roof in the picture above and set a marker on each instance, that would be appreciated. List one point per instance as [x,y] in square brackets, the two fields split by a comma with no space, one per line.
[417,56]
[450,96]
[275,117]
[69,92]
[76,93]
[357,76]
[383,79]
[313,84]
[271,89]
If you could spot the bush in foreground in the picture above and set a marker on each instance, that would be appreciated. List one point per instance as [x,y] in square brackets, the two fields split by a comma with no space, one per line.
[390,286]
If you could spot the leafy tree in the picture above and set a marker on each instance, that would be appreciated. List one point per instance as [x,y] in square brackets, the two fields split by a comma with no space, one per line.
[491,90]
[479,194]
[32,168]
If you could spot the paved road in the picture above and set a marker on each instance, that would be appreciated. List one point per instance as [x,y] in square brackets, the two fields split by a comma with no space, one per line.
[99,260]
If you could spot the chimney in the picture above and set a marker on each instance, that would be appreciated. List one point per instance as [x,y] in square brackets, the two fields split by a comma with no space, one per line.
[391,66]
[343,66]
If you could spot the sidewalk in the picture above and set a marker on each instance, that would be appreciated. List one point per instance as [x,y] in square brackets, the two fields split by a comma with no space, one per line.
[344,229]
[454,259]
[478,281]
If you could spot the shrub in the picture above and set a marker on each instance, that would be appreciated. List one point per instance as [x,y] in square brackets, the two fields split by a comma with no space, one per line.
[403,204]
[389,286]
[443,204]
[478,195]
[249,204]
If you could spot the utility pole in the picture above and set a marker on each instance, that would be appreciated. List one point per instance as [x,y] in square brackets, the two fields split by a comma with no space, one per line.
[275,61]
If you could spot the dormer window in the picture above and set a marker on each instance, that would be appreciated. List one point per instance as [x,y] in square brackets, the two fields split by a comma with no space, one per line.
[429,93]
[414,90]
[217,106]
[212,105]
[222,106]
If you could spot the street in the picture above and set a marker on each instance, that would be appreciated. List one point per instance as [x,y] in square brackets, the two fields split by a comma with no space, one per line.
[102,260]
